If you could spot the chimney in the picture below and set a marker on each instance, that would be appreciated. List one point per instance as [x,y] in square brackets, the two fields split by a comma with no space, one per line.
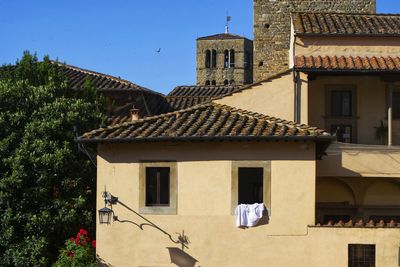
[134,114]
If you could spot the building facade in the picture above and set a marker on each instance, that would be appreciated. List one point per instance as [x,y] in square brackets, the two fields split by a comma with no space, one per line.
[332,197]
[272,28]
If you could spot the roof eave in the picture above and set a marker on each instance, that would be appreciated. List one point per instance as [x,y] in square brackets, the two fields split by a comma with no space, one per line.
[300,34]
[321,138]
[313,70]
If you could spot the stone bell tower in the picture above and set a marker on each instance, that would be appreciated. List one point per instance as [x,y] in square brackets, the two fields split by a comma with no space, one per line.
[224,59]
[272,25]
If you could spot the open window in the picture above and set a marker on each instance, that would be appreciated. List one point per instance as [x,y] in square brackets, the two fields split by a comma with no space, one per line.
[213,59]
[208,59]
[157,191]
[251,183]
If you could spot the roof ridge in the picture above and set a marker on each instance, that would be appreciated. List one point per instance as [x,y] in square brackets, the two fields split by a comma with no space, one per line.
[99,74]
[349,14]
[254,114]
[202,105]
[222,35]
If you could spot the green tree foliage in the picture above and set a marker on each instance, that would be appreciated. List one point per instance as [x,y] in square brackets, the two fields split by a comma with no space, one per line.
[47,186]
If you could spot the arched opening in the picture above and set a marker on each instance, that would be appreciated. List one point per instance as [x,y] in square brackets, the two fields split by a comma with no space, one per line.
[208,59]
[335,201]
[226,59]
[382,201]
[232,58]
[382,193]
[207,83]
[213,82]
[214,59]
[226,82]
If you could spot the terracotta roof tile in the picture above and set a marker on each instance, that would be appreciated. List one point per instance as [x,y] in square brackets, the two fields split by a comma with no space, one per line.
[209,121]
[220,36]
[77,76]
[351,63]
[346,24]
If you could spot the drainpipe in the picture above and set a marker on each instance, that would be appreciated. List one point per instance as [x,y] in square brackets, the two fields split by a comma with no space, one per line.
[296,111]
[390,119]
[296,96]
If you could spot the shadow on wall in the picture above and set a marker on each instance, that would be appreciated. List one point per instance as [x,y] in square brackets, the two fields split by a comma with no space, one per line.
[100,262]
[178,256]
[181,258]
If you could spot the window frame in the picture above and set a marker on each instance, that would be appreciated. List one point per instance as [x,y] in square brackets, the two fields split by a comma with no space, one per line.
[352,247]
[341,120]
[266,165]
[207,61]
[173,188]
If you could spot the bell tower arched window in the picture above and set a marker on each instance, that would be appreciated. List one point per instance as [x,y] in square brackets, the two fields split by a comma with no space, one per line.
[226,59]
[232,58]
[207,83]
[208,59]
[213,59]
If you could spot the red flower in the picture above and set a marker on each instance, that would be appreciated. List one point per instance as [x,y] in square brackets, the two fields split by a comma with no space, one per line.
[71,240]
[94,243]
[70,254]
[83,232]
[78,236]
[77,241]
[87,239]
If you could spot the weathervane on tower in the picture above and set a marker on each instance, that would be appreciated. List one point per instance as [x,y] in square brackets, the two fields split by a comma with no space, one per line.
[228,19]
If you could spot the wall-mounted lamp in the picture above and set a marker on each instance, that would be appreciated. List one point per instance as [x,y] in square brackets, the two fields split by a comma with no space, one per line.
[105,214]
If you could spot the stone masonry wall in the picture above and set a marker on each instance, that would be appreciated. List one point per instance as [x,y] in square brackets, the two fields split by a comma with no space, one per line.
[240,73]
[272,26]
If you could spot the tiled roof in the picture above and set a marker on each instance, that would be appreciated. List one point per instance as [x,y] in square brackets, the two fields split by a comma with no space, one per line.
[221,36]
[350,63]
[204,91]
[209,121]
[77,76]
[187,96]
[346,24]
[181,97]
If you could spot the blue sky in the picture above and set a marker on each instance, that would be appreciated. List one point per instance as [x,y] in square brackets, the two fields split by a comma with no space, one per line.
[120,37]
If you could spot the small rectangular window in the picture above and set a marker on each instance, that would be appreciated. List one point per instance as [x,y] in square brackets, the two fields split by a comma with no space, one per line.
[251,185]
[361,255]
[341,103]
[157,186]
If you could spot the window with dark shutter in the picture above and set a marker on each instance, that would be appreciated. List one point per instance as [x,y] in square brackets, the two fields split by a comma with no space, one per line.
[157,186]
[341,103]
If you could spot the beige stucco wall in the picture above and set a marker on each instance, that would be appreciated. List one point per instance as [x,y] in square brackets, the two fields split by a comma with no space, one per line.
[274,98]
[204,209]
[360,161]
[347,46]
[204,200]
